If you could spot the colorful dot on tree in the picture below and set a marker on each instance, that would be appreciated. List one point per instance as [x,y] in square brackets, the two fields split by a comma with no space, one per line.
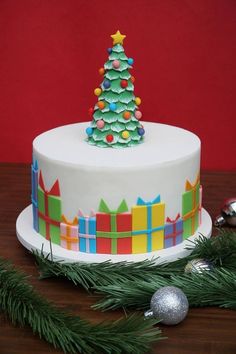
[141,131]
[89,131]
[109,138]
[130,61]
[125,134]
[90,111]
[138,101]
[138,114]
[126,115]
[101,71]
[132,79]
[101,104]
[116,64]
[97,91]
[109,50]
[100,124]
[106,84]
[112,106]
[124,83]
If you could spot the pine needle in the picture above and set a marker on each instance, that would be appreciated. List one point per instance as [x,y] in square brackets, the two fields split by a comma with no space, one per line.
[216,288]
[220,250]
[70,333]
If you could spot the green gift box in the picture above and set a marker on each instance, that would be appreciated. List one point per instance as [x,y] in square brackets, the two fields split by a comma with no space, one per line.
[190,206]
[49,211]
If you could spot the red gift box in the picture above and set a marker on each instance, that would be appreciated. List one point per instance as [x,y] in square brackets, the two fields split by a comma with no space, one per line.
[114,231]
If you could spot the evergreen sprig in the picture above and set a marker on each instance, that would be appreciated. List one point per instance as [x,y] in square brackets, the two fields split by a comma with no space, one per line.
[24,306]
[216,288]
[220,250]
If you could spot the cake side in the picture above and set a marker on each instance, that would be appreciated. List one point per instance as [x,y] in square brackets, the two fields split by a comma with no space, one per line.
[117,202]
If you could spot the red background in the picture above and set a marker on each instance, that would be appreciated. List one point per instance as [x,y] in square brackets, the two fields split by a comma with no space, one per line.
[185,67]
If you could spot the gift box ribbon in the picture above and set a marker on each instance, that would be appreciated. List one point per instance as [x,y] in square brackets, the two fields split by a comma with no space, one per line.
[54,191]
[175,233]
[113,234]
[200,205]
[149,229]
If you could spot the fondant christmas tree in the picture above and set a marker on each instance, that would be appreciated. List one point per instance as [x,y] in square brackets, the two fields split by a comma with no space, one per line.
[116,114]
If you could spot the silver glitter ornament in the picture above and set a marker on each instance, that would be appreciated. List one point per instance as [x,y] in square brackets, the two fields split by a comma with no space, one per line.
[199,266]
[169,304]
[228,213]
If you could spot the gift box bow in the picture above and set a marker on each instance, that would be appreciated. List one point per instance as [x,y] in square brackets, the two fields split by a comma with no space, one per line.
[69,223]
[55,189]
[192,187]
[82,215]
[122,208]
[35,166]
[173,221]
[156,200]
[189,186]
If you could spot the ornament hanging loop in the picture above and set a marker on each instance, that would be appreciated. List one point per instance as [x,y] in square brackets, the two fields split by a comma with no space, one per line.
[219,221]
[148,314]
[228,213]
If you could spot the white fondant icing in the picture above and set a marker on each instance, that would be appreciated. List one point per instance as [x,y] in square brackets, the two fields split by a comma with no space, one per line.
[160,165]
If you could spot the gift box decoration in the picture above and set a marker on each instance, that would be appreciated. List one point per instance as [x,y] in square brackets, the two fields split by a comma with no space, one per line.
[173,231]
[190,208]
[34,194]
[114,229]
[69,234]
[87,232]
[148,219]
[49,211]
[200,205]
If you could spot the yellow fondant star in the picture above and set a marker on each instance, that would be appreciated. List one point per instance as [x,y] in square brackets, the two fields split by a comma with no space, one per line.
[118,38]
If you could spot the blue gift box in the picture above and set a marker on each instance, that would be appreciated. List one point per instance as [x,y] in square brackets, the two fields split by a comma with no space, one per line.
[87,233]
[173,232]
[34,194]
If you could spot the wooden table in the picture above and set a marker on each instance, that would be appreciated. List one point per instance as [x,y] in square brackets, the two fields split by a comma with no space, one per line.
[205,331]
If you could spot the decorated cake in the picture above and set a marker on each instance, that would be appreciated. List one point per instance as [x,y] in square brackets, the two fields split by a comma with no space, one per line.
[118,187]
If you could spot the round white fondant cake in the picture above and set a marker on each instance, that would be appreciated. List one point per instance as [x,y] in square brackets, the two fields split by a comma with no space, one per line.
[87,174]
[95,204]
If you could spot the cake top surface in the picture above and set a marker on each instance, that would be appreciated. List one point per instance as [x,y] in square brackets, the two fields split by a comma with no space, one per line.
[163,144]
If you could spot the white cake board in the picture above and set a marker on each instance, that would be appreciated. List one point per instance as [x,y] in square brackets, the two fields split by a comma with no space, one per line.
[34,241]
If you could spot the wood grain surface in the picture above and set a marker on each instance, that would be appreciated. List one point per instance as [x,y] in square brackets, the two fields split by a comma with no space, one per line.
[205,331]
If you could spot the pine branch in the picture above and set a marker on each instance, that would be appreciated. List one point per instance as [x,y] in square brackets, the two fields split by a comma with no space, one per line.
[93,274]
[70,333]
[220,250]
[217,288]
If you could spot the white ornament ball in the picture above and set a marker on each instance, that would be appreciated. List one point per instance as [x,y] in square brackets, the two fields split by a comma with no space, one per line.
[168,304]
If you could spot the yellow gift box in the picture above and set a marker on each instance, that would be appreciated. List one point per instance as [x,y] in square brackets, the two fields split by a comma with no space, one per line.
[148,219]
